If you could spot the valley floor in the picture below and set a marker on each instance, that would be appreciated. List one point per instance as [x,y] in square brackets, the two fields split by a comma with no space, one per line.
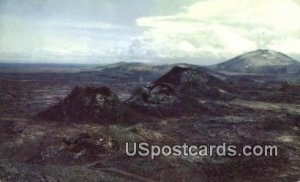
[37,150]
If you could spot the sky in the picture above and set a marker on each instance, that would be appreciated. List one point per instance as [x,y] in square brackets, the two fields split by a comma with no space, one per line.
[156,31]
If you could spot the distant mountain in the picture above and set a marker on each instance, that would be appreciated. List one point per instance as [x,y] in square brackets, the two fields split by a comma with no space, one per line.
[179,91]
[259,61]
[129,72]
[135,71]
[128,65]
[290,69]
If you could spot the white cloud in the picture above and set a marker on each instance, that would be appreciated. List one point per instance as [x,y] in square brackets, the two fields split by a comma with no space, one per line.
[85,25]
[225,28]
[290,45]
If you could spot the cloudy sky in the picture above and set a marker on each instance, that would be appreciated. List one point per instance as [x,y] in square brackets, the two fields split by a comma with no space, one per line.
[104,31]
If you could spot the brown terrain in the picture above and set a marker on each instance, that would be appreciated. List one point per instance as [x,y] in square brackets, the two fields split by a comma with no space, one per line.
[71,123]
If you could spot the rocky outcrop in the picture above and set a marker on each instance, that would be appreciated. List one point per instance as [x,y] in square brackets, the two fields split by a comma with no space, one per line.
[86,104]
[83,146]
[180,90]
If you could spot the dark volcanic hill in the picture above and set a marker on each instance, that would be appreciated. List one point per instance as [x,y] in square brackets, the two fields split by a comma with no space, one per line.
[135,71]
[290,69]
[86,104]
[123,71]
[259,61]
[181,90]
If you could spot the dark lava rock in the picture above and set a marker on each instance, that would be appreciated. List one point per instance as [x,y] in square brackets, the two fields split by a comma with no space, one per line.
[86,104]
[179,91]
[86,145]
[80,147]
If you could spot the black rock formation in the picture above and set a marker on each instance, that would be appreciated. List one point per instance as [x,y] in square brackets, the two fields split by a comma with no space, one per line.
[86,104]
[181,90]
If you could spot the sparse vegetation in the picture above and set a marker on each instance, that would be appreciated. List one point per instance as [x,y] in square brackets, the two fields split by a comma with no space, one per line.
[188,105]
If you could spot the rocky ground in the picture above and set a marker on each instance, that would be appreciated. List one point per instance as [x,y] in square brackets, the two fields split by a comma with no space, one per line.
[35,148]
